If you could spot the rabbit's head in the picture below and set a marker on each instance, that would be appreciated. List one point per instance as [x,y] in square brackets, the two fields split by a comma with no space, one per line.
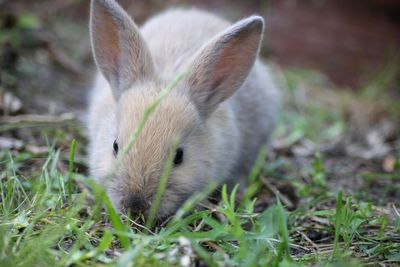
[185,114]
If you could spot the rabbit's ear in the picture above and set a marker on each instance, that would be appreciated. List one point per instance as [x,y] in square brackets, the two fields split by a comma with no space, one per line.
[222,64]
[118,47]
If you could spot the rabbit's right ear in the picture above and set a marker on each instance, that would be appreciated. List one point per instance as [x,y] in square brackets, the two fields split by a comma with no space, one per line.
[222,64]
[118,47]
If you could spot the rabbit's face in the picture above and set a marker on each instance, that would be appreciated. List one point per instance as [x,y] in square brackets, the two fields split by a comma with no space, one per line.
[135,183]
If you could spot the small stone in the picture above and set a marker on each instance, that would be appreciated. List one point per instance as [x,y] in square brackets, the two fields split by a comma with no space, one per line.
[389,163]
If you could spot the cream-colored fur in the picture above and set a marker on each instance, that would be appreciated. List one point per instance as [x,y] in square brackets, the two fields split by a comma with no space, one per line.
[223,111]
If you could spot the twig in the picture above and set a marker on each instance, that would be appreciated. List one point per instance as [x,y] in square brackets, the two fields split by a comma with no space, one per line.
[61,58]
[34,118]
[275,190]
[309,240]
[58,55]
[395,210]
[214,246]
[137,224]
[199,226]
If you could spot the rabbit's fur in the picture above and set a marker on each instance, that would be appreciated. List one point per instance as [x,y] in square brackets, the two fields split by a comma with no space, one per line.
[220,139]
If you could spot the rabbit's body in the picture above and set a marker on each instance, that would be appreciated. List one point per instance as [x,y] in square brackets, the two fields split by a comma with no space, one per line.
[220,142]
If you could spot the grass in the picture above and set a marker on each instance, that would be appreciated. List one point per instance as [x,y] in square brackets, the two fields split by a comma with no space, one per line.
[52,214]
[39,228]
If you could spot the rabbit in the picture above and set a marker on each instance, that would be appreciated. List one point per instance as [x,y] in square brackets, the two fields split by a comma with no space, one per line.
[222,110]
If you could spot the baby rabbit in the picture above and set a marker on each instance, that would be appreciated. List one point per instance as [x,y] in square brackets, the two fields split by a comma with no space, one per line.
[222,111]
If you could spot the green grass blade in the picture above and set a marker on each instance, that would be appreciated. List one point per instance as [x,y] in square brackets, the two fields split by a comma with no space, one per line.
[338,223]
[70,170]
[162,185]
[115,219]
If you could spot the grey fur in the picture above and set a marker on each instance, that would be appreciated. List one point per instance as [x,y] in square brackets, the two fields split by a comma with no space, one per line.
[223,111]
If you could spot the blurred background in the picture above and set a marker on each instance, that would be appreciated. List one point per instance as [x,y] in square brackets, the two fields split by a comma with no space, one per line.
[45,56]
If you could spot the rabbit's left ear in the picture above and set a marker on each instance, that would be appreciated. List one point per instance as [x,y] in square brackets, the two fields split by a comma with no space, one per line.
[222,64]
[118,47]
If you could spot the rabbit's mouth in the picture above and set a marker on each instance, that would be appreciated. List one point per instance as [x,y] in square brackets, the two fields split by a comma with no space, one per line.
[171,201]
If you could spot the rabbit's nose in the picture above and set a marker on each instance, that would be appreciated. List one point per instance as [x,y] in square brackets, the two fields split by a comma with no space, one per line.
[135,204]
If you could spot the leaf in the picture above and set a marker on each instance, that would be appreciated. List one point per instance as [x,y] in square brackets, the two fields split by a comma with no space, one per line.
[28,21]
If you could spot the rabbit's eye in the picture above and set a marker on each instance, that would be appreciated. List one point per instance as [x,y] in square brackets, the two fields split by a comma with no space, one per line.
[115,147]
[178,157]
